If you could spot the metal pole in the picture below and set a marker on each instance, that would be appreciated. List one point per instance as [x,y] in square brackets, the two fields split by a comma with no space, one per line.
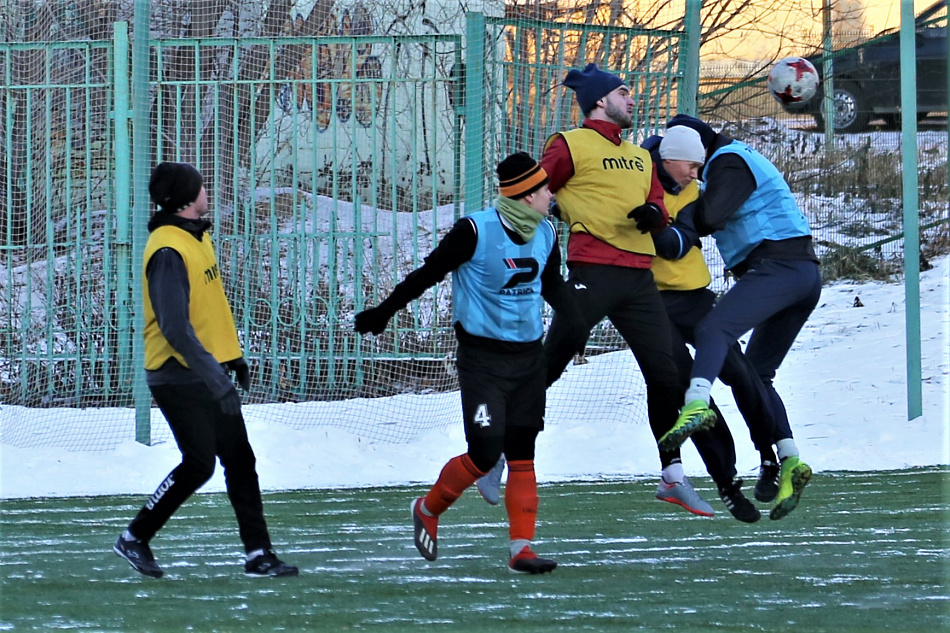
[475,26]
[689,88]
[124,288]
[141,30]
[910,201]
[828,76]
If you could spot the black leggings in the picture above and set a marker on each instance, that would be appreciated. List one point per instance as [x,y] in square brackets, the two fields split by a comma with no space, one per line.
[629,298]
[203,433]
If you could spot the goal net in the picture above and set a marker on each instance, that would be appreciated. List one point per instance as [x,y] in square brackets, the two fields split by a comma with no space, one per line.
[339,142]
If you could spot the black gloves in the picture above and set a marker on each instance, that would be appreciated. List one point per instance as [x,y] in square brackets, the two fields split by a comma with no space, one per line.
[648,217]
[373,320]
[242,372]
[231,402]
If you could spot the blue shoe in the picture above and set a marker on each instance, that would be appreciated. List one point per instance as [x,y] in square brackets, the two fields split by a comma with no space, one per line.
[489,486]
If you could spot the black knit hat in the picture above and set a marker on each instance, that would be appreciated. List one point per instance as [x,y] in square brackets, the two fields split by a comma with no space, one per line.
[591,85]
[706,134]
[174,186]
[519,175]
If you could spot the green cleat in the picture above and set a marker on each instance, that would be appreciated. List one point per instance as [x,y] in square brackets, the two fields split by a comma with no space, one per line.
[795,476]
[695,416]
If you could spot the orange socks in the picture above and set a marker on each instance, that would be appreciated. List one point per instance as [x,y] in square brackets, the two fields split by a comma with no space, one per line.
[457,475]
[521,500]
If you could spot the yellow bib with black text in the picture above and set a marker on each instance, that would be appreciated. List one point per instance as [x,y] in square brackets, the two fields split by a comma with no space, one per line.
[609,181]
[209,311]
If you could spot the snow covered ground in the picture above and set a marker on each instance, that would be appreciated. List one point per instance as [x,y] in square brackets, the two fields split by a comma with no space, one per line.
[843,383]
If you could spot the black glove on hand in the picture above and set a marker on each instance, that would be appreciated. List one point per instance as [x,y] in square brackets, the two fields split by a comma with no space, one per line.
[242,372]
[648,217]
[231,402]
[373,320]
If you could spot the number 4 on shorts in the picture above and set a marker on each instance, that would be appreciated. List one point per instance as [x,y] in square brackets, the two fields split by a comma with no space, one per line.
[482,418]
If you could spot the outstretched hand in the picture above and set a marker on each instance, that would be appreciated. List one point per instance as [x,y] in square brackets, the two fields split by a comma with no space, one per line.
[648,216]
[373,321]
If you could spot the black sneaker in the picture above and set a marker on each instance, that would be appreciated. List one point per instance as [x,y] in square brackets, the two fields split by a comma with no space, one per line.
[527,562]
[425,531]
[267,564]
[766,488]
[139,555]
[740,507]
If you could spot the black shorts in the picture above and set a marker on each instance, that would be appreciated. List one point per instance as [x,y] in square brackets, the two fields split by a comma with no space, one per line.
[500,390]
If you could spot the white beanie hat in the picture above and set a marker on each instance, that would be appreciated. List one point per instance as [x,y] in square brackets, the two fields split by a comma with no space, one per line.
[682,143]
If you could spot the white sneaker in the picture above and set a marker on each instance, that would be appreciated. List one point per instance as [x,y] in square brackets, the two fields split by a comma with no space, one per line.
[683,494]
[489,486]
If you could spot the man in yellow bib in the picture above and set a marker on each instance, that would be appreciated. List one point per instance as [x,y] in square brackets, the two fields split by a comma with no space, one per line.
[610,197]
[191,348]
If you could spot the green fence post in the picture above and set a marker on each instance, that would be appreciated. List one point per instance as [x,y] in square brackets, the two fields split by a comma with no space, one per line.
[689,87]
[140,205]
[474,111]
[123,237]
[828,77]
[908,65]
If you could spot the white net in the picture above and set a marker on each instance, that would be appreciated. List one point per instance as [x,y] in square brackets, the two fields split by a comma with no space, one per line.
[338,140]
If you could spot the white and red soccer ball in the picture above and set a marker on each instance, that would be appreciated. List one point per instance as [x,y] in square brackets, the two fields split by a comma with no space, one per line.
[793,80]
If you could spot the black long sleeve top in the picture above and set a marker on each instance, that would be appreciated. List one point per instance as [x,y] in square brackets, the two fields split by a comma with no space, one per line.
[456,248]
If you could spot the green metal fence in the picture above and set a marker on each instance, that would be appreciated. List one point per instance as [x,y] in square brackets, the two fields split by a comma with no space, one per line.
[321,169]
[323,159]
[333,164]
[64,290]
[520,71]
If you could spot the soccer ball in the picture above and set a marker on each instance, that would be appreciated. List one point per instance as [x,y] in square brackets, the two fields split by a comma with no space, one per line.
[793,80]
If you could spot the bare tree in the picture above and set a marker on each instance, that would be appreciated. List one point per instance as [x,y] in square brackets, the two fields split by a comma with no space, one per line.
[206,90]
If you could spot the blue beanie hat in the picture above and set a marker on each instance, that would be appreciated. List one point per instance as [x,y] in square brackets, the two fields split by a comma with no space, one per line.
[706,134]
[591,85]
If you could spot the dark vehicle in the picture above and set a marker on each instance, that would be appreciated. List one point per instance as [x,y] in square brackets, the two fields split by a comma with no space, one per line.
[867,76]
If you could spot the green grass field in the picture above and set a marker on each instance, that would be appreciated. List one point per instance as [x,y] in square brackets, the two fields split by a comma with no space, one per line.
[864,552]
